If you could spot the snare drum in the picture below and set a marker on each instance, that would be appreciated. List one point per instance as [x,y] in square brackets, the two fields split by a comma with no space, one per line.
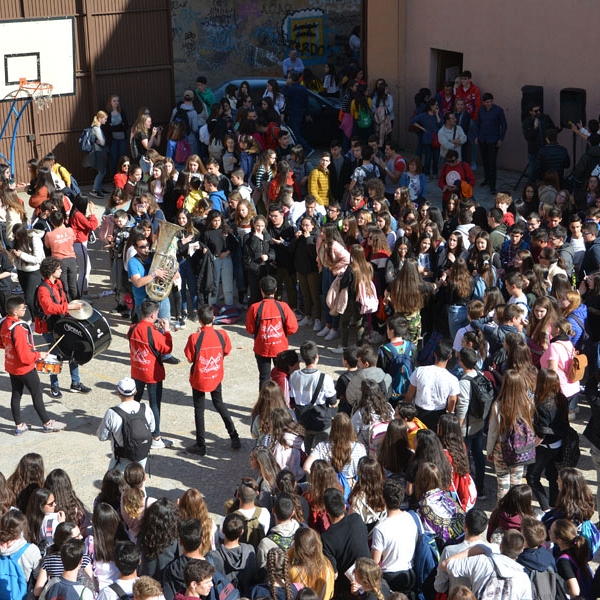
[83,339]
[48,365]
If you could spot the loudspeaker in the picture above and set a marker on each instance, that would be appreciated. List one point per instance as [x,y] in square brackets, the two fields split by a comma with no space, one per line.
[531,94]
[572,106]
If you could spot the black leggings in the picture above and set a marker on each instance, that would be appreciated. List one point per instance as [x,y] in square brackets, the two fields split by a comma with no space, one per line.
[31,381]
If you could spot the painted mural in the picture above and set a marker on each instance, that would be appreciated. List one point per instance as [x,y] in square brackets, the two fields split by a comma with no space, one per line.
[226,39]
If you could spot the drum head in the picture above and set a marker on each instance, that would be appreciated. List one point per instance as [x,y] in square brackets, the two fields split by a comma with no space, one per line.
[82,339]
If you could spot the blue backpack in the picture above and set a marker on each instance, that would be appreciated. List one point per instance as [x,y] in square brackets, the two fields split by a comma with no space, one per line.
[87,140]
[13,585]
[426,558]
[400,365]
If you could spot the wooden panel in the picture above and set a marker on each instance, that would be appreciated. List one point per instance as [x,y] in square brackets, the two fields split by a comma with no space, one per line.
[128,52]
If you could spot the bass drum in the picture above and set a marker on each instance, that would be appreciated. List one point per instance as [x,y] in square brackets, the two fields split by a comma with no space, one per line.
[83,339]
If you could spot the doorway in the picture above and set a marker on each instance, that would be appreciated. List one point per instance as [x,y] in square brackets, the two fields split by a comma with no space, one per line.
[446,66]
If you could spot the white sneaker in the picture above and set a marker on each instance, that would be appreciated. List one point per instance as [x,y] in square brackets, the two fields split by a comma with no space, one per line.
[338,350]
[332,335]
[325,331]
[306,321]
[161,442]
[318,325]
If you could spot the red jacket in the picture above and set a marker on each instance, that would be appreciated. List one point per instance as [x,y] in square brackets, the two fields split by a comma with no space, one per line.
[271,337]
[145,343]
[207,367]
[120,180]
[20,355]
[82,225]
[472,98]
[450,173]
[48,304]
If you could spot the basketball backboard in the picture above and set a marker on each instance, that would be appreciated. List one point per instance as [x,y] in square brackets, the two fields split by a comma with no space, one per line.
[38,50]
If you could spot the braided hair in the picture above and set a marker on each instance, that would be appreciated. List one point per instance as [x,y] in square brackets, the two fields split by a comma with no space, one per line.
[278,572]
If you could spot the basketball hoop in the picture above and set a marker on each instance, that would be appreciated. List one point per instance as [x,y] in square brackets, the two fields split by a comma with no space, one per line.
[40,93]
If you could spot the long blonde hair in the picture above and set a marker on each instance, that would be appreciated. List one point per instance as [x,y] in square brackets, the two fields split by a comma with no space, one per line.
[368,574]
[307,556]
[193,506]
[97,117]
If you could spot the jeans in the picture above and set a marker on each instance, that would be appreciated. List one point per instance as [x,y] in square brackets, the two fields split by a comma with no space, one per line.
[223,274]
[474,444]
[155,399]
[264,369]
[99,179]
[189,284]
[118,148]
[457,318]
[84,267]
[489,155]
[31,381]
[217,400]
[545,462]
[73,366]
[327,278]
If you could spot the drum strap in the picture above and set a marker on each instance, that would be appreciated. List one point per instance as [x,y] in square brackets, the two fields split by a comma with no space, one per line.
[153,349]
[26,327]
[199,345]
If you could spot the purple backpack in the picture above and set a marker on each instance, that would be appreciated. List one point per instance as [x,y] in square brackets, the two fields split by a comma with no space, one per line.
[519,446]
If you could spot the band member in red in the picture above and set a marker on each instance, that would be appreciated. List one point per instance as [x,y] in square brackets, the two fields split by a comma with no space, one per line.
[54,303]
[206,350]
[148,341]
[270,321]
[20,357]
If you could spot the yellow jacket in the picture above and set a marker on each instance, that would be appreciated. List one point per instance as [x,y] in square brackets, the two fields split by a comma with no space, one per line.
[318,186]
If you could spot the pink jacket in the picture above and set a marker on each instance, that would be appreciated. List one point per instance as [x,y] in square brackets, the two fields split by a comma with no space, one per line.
[341,257]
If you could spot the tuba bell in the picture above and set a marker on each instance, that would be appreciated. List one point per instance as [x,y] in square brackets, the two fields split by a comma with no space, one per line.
[165,258]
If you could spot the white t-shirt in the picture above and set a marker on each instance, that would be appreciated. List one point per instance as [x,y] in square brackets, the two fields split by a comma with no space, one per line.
[303,384]
[396,538]
[264,518]
[434,384]
[322,452]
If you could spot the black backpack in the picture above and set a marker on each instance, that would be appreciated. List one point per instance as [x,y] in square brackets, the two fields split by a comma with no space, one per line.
[137,437]
[481,397]
[38,311]
[182,116]
[547,585]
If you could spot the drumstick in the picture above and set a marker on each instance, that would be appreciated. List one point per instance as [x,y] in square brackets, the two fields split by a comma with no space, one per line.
[56,343]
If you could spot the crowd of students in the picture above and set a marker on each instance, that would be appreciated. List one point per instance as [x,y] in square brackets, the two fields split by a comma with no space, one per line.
[352,474]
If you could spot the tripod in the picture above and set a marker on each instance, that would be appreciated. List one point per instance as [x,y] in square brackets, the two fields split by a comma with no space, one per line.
[522,175]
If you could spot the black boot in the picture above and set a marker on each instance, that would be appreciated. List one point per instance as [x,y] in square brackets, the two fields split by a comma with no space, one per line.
[236,444]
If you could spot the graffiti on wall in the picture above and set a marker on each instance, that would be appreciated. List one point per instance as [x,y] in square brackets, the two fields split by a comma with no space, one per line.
[225,39]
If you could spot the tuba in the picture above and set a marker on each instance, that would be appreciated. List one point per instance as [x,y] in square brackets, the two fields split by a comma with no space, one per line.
[165,257]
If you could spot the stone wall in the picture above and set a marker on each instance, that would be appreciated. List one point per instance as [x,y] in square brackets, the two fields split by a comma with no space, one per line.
[227,39]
